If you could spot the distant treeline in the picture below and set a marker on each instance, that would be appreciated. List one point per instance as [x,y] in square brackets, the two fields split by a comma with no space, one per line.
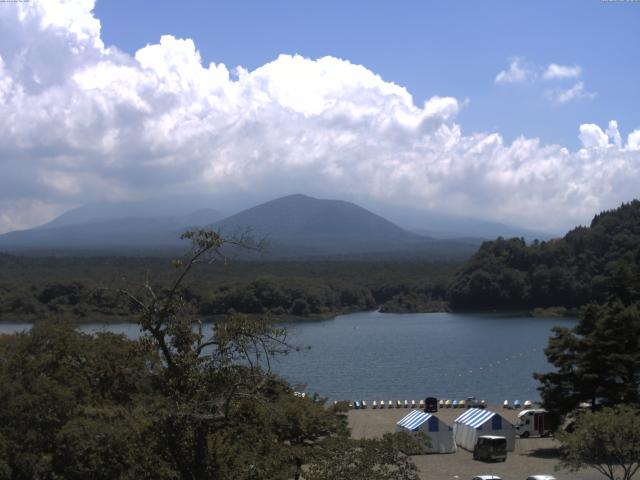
[584,266]
[87,289]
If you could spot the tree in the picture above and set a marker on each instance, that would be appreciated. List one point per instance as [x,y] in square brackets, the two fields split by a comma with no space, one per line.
[597,362]
[72,403]
[227,415]
[175,404]
[607,440]
[366,459]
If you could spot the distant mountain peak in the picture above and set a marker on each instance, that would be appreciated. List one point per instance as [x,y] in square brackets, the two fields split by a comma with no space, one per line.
[296,225]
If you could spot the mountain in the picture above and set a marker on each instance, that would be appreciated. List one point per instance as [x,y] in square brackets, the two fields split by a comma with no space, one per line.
[171,208]
[301,225]
[296,226]
[122,235]
[445,226]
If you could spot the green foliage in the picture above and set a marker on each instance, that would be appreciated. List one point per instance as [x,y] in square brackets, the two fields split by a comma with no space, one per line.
[86,288]
[607,440]
[367,459]
[52,378]
[584,266]
[173,404]
[296,296]
[597,362]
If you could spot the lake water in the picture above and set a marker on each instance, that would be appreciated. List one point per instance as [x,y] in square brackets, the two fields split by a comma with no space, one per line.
[373,355]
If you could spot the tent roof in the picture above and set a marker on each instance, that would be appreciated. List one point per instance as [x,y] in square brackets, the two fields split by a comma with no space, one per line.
[414,419]
[474,417]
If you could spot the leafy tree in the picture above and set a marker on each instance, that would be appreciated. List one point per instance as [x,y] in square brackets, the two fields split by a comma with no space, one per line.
[367,459]
[607,440]
[55,385]
[598,361]
[176,404]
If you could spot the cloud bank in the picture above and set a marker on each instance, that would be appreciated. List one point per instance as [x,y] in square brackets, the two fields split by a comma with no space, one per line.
[80,121]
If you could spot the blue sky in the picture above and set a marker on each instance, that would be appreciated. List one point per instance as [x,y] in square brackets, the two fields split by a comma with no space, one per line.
[431,48]
[525,113]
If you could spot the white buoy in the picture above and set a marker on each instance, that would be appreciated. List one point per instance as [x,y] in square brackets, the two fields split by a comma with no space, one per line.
[413,404]
[374,404]
[390,405]
[406,404]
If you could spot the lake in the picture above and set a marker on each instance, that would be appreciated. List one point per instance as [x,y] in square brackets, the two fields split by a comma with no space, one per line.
[373,355]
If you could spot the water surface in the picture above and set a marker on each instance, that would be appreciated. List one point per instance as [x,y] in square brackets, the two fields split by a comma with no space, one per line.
[409,356]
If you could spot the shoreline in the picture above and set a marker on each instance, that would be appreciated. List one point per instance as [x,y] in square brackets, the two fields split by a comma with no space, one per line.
[552,312]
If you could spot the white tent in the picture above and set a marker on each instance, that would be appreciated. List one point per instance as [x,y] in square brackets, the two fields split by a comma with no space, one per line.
[440,434]
[476,422]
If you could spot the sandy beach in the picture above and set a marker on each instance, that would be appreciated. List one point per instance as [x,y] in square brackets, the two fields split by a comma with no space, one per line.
[531,456]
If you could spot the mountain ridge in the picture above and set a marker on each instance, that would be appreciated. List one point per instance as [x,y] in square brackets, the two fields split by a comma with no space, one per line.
[297,225]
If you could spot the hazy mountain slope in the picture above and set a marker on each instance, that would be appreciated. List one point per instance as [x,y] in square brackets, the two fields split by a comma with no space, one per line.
[165,208]
[444,225]
[297,216]
[108,234]
[298,224]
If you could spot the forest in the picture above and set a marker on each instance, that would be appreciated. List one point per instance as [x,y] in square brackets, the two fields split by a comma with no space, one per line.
[569,272]
[87,288]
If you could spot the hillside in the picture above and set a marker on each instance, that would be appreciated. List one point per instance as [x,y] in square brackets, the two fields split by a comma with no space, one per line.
[298,225]
[123,235]
[586,265]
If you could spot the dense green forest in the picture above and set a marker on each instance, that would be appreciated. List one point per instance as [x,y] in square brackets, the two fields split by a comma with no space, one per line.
[569,272]
[87,289]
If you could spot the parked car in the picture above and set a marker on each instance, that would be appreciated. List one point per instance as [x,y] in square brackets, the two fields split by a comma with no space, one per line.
[430,404]
[541,477]
[487,477]
[489,447]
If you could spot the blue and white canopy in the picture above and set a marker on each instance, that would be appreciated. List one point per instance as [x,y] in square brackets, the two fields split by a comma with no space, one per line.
[475,417]
[414,419]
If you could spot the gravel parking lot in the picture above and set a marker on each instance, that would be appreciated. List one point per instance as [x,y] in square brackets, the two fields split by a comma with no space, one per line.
[532,455]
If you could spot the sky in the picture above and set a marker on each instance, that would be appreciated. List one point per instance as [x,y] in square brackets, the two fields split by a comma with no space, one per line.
[521,112]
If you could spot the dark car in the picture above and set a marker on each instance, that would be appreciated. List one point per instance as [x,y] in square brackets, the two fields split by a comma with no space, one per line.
[490,448]
[431,404]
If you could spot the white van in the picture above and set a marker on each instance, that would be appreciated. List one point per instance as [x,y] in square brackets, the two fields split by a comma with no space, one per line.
[533,422]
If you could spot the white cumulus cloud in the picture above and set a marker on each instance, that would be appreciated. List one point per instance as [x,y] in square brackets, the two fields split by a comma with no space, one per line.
[633,140]
[81,121]
[576,92]
[518,72]
[555,71]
